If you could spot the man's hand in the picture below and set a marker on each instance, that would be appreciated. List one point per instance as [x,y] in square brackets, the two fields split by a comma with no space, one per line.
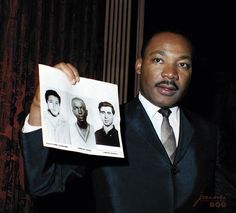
[35,114]
[71,72]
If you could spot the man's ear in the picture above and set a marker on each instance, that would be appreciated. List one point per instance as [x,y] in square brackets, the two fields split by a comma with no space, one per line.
[138,66]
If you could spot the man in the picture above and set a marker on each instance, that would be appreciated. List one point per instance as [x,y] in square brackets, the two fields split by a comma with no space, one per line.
[56,129]
[147,180]
[107,135]
[82,133]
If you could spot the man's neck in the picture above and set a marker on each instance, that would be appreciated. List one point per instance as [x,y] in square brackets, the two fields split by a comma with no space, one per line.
[83,131]
[107,128]
[82,125]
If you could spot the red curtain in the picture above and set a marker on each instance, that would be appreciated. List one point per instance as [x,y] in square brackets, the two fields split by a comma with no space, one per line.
[33,32]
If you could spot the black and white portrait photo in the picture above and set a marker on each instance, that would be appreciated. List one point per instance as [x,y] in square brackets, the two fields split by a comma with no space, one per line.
[108,134]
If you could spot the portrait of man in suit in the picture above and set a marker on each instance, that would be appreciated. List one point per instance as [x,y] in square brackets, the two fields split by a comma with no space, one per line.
[107,135]
[174,158]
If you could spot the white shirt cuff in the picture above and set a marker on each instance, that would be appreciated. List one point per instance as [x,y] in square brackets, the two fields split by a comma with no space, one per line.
[29,128]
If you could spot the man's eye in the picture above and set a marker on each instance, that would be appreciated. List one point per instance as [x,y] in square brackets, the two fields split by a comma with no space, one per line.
[157,60]
[185,65]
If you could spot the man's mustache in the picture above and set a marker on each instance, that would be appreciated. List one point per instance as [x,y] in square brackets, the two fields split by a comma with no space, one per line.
[167,83]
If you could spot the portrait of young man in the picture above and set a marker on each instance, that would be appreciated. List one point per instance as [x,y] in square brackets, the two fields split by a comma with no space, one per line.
[56,127]
[107,135]
[81,132]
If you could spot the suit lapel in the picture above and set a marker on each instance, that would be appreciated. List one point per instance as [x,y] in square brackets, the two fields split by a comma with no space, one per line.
[186,134]
[142,128]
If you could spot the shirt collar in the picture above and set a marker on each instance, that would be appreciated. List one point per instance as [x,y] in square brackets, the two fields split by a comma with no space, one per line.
[152,109]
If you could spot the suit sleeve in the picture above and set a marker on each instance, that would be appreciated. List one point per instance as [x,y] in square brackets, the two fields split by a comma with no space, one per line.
[45,173]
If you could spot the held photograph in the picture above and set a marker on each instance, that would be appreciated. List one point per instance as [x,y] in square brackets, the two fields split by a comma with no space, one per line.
[83,118]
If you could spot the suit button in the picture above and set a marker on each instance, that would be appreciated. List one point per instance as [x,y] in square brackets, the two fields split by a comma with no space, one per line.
[174,170]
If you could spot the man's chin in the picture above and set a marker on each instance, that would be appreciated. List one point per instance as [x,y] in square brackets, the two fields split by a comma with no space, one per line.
[107,125]
[166,104]
[53,114]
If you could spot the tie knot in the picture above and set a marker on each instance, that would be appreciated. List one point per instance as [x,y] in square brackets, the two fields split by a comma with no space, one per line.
[165,112]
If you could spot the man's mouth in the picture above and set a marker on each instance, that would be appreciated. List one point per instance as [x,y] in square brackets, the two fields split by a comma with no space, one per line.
[166,90]
[167,87]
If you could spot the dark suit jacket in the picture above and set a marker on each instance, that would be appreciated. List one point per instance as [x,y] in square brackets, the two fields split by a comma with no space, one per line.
[145,181]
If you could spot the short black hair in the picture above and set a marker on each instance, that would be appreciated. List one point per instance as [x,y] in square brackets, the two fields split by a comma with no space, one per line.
[54,93]
[178,31]
[106,104]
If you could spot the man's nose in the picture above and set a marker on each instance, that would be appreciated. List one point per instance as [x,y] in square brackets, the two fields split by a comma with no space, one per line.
[170,72]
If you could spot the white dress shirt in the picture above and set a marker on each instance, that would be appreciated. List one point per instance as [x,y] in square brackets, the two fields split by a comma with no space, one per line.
[156,117]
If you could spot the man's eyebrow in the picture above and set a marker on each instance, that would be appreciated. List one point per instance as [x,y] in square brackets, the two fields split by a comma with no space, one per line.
[185,57]
[161,52]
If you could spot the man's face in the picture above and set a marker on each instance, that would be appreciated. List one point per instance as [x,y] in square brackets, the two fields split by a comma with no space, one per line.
[79,110]
[53,105]
[166,69]
[106,115]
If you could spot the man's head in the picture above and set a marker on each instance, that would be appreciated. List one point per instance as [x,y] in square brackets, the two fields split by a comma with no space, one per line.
[165,68]
[79,110]
[53,101]
[107,112]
